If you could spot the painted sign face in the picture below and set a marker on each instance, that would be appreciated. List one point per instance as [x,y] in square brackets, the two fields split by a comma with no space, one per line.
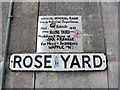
[58,62]
[59,34]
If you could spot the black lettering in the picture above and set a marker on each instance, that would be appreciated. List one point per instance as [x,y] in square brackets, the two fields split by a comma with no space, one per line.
[65,60]
[40,63]
[31,61]
[87,62]
[47,61]
[73,62]
[17,61]
[94,59]
[52,25]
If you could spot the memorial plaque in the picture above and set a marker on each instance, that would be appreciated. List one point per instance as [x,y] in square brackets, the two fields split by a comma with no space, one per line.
[59,34]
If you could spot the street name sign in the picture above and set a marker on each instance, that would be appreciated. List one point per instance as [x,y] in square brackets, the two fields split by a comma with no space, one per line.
[58,62]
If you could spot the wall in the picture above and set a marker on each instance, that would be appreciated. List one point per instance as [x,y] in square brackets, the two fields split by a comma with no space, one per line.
[100,28]
[0,39]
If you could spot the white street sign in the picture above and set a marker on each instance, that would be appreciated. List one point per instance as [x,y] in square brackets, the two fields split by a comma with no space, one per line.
[58,62]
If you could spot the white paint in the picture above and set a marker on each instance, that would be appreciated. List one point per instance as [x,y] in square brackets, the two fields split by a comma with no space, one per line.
[60,65]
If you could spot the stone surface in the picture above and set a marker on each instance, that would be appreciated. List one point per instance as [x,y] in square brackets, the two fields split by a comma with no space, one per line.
[23,33]
[118,74]
[5,9]
[113,73]
[110,24]
[93,37]
[22,40]
[0,73]
[100,35]
[0,40]
[3,20]
[94,41]
[47,9]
